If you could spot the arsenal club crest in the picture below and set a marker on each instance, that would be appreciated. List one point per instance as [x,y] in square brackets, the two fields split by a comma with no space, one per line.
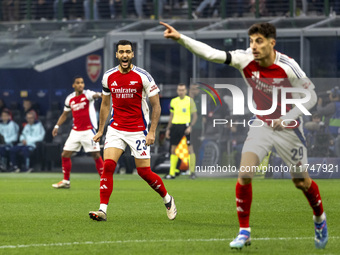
[93,67]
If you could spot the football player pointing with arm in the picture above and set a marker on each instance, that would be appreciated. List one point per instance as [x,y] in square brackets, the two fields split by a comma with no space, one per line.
[264,69]
[129,86]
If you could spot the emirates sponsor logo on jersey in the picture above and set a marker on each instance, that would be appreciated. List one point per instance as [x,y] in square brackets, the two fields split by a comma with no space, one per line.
[123,93]
[77,107]
[93,67]
[122,90]
[260,84]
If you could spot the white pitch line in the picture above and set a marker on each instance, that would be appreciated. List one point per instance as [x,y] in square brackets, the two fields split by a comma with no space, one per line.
[155,241]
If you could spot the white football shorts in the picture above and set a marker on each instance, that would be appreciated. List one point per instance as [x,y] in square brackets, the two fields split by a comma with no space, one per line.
[290,144]
[77,139]
[136,141]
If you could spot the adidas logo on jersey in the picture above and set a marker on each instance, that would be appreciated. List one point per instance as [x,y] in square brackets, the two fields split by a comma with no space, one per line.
[256,74]
[143,154]
[103,187]
[114,83]
[82,99]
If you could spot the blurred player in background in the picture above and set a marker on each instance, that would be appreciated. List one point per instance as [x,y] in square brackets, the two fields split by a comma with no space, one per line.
[81,104]
[263,69]
[129,85]
[183,116]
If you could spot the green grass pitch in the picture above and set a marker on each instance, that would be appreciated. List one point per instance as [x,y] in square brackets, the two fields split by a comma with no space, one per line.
[37,219]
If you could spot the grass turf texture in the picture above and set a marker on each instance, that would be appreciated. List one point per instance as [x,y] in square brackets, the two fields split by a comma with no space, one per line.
[50,221]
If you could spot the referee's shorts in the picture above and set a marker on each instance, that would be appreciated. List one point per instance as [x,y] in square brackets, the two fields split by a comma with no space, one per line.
[177,133]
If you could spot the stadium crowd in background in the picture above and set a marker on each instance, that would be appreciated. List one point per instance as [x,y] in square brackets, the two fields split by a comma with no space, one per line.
[15,10]
[2,106]
[330,115]
[32,133]
[27,106]
[9,132]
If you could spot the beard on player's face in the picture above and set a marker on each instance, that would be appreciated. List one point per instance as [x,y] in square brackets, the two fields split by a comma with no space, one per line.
[262,53]
[79,87]
[125,63]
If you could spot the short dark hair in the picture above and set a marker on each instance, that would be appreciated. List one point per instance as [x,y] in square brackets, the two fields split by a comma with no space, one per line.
[181,85]
[7,111]
[266,29]
[77,77]
[124,42]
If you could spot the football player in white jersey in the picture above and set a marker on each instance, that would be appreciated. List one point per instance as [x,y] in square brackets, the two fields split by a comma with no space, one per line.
[267,71]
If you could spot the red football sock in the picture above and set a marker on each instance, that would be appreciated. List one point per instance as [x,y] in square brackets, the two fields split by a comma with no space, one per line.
[314,199]
[244,195]
[106,181]
[66,164]
[99,165]
[153,180]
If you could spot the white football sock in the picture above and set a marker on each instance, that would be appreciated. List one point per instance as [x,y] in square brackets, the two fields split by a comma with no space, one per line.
[167,198]
[103,207]
[247,229]
[319,219]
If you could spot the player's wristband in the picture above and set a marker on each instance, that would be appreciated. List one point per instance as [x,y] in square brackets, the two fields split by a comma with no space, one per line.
[56,126]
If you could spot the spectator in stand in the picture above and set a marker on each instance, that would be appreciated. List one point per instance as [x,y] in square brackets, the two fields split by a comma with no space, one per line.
[10,10]
[319,141]
[9,132]
[27,107]
[205,4]
[139,7]
[74,9]
[2,106]
[32,133]
[197,129]
[56,8]
[311,127]
[43,9]
[331,115]
[87,9]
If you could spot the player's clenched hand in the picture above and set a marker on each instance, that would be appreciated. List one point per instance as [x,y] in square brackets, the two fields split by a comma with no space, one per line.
[150,138]
[54,132]
[170,31]
[277,125]
[97,137]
